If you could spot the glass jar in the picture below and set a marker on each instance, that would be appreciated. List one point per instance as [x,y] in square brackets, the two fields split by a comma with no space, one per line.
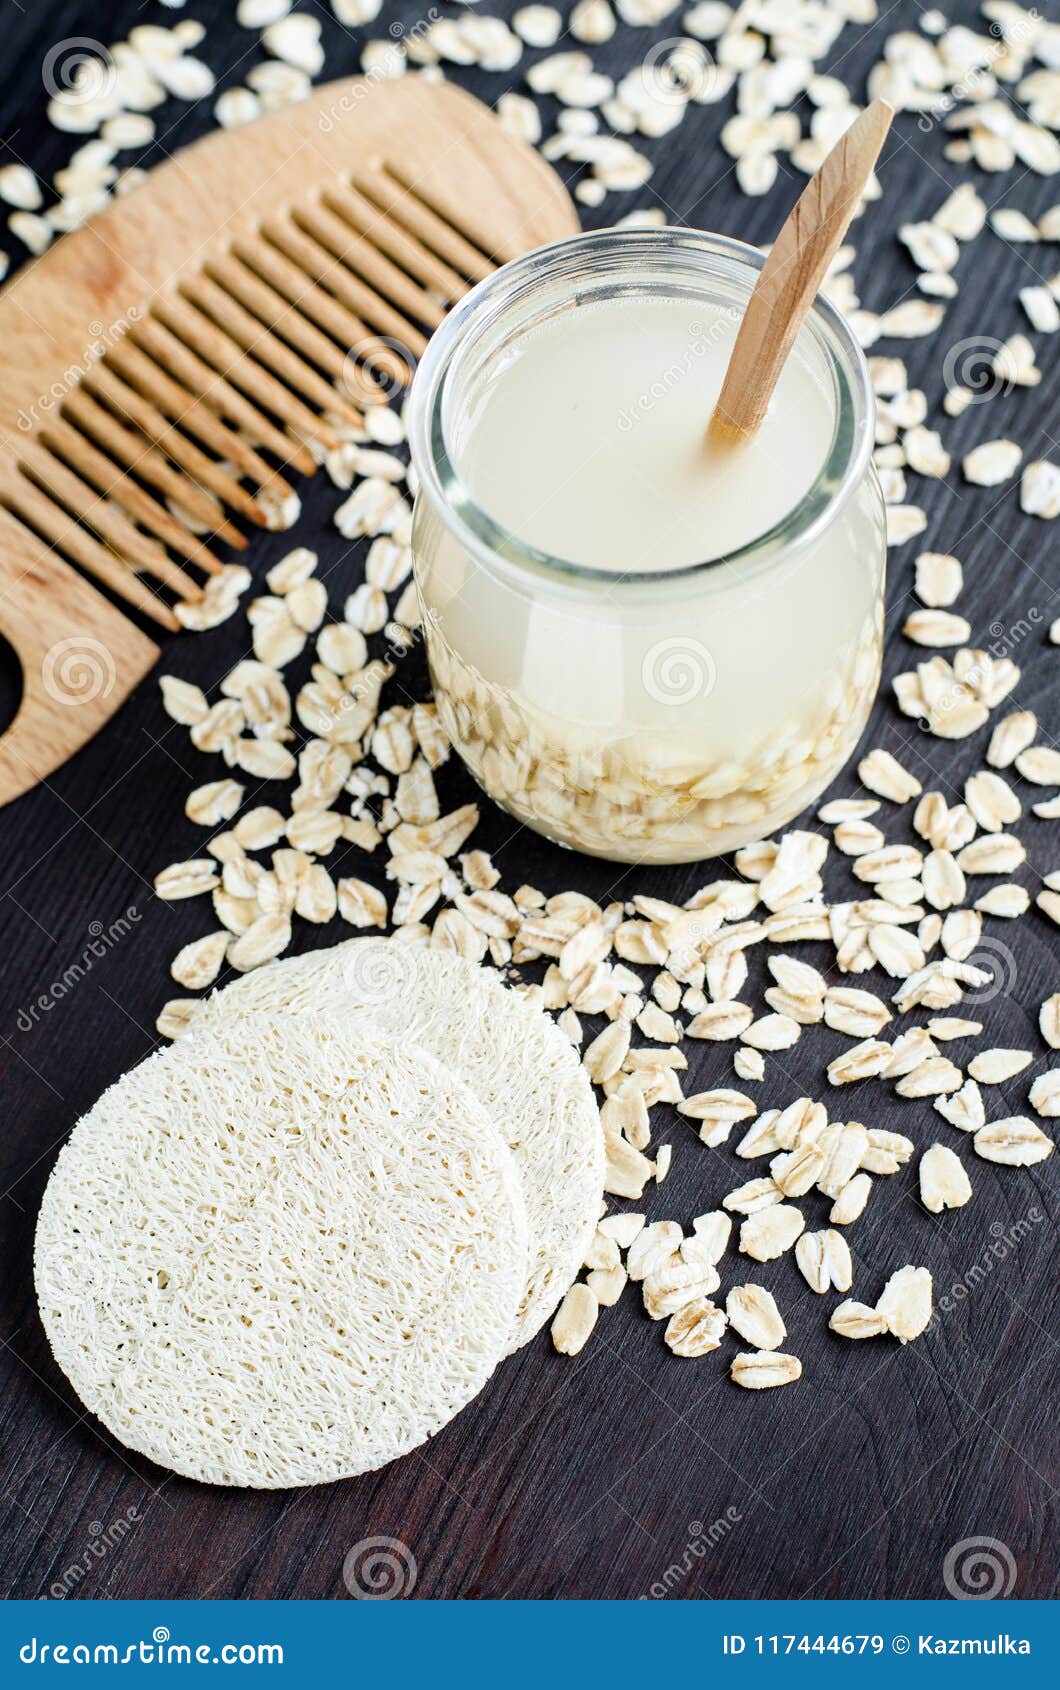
[646,717]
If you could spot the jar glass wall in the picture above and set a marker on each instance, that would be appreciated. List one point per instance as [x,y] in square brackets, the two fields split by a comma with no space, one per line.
[662,716]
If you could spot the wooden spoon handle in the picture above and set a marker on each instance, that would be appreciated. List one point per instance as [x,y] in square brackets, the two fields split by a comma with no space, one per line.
[792,274]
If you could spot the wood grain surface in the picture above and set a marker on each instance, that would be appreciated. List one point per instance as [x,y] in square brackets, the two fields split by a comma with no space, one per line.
[592,1477]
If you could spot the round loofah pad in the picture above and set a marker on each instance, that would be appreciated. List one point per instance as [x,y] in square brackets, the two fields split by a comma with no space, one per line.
[512,1055]
[282,1252]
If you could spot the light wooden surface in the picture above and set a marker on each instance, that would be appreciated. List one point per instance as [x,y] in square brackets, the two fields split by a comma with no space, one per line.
[80,658]
[792,275]
[198,333]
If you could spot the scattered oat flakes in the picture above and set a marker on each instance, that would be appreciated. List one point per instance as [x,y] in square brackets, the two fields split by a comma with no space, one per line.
[944,1184]
[695,1329]
[1013,225]
[360,904]
[963,1109]
[214,803]
[652,1246]
[753,1313]
[749,1064]
[939,579]
[1041,308]
[574,1320]
[1016,1142]
[885,776]
[265,938]
[1049,1021]
[770,1232]
[198,964]
[851,1200]
[622,1228]
[936,628]
[772,1032]
[910,320]
[856,1320]
[607,1284]
[176,1016]
[1040,764]
[710,1237]
[948,1027]
[996,853]
[182,701]
[676,1283]
[905,1304]
[994,1067]
[904,523]
[824,1260]
[1040,489]
[187,880]
[761,1370]
[992,463]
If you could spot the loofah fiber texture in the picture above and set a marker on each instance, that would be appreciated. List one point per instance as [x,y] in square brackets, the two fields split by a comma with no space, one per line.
[281,1253]
[512,1055]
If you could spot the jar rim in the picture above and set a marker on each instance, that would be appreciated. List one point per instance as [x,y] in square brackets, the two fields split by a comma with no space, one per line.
[490,542]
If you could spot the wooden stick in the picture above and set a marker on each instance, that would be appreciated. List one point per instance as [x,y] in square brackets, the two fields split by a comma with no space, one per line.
[792,274]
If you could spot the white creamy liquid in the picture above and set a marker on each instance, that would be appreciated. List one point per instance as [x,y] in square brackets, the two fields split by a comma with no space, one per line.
[652,719]
[589,442]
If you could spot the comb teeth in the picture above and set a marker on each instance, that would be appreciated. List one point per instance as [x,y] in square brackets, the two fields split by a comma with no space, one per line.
[108,520]
[437,228]
[97,468]
[267,340]
[418,260]
[189,391]
[256,353]
[213,473]
[58,528]
[324,268]
[376,270]
[131,451]
[247,307]
[326,263]
[255,262]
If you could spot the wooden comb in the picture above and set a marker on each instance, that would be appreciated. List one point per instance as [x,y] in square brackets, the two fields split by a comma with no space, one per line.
[167,365]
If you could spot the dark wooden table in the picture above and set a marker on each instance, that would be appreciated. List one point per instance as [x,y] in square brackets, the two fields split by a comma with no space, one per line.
[592,1477]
